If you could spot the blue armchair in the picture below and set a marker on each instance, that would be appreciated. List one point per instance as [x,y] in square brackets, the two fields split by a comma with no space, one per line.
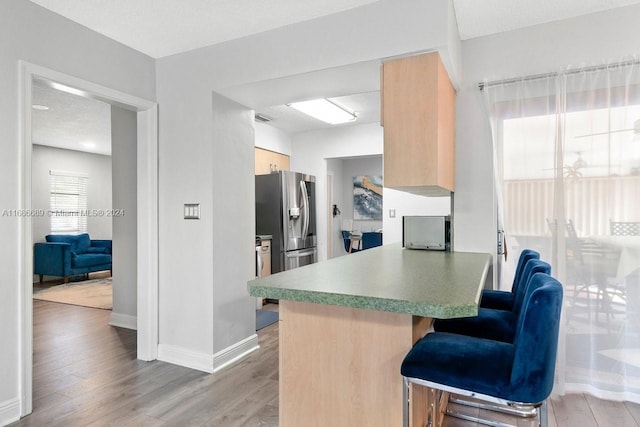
[66,255]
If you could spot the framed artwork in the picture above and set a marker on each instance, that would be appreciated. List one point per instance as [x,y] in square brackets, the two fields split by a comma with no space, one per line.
[367,197]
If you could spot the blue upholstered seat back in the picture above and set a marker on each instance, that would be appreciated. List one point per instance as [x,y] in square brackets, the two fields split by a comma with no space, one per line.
[80,243]
[495,324]
[536,341]
[371,239]
[346,237]
[346,240]
[525,256]
[532,267]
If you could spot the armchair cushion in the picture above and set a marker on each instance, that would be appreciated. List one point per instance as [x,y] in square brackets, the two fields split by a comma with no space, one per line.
[89,260]
[97,250]
[97,244]
[79,243]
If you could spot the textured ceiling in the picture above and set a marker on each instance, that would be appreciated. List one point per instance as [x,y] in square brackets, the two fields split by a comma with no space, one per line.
[72,122]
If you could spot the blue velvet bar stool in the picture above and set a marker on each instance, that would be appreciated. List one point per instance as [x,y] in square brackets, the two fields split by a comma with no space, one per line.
[503,300]
[513,377]
[493,324]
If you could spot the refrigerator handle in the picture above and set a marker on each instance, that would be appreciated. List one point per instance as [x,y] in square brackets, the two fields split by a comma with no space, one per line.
[305,207]
[298,254]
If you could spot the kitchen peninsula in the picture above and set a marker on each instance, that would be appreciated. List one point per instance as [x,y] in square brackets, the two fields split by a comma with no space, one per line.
[347,323]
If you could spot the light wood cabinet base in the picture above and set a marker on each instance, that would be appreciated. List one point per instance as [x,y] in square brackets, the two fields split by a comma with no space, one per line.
[340,366]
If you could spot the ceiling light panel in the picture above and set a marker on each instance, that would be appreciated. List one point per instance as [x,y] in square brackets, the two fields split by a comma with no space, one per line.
[325,110]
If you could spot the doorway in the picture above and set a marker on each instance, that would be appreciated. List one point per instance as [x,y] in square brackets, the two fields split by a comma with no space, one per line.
[147,202]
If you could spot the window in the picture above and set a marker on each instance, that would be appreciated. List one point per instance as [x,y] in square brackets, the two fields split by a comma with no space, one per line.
[567,150]
[68,202]
[600,163]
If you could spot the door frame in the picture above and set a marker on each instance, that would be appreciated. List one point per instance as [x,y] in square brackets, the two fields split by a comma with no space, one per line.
[147,219]
[330,216]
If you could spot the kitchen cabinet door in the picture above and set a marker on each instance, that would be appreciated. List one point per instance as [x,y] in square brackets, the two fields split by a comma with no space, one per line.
[268,161]
[418,111]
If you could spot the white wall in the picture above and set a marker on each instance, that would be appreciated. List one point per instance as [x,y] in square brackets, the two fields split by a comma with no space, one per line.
[234,202]
[310,153]
[406,204]
[31,33]
[125,228]
[97,167]
[194,166]
[272,139]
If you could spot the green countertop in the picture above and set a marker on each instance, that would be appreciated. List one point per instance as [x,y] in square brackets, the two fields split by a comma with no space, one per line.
[386,278]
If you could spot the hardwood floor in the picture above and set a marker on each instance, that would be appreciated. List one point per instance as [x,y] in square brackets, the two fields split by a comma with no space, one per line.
[86,374]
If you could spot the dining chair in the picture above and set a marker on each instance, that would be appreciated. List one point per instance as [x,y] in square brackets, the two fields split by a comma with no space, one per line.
[624,228]
[371,239]
[516,377]
[592,267]
[348,243]
[503,300]
[495,324]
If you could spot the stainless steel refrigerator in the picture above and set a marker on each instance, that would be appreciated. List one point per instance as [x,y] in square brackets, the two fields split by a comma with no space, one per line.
[286,209]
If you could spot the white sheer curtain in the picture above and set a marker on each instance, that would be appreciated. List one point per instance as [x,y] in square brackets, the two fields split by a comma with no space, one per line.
[568,168]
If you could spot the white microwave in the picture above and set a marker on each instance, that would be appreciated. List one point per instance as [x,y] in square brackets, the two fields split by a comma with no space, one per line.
[426,232]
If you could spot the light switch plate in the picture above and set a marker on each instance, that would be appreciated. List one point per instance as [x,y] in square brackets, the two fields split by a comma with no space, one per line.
[192,211]
[392,213]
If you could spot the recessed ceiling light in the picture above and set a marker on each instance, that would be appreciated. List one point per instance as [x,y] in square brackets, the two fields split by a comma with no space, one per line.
[88,144]
[39,107]
[325,110]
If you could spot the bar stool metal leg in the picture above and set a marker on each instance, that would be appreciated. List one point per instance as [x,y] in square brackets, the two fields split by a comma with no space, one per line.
[405,401]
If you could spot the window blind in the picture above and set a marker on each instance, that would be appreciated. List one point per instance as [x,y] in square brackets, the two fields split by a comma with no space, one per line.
[68,202]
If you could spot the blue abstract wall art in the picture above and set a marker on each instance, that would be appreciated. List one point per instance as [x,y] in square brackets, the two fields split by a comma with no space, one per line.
[367,197]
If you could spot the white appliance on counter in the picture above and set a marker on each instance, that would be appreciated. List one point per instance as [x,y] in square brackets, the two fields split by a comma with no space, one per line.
[426,232]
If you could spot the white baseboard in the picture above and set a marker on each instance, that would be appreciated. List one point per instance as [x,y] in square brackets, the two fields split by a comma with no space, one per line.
[9,411]
[187,358]
[235,352]
[206,362]
[123,321]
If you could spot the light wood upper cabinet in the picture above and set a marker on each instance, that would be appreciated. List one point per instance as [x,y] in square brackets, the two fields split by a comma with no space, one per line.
[418,111]
[268,161]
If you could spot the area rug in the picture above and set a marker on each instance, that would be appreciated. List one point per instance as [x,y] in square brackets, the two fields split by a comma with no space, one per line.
[94,293]
[265,318]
